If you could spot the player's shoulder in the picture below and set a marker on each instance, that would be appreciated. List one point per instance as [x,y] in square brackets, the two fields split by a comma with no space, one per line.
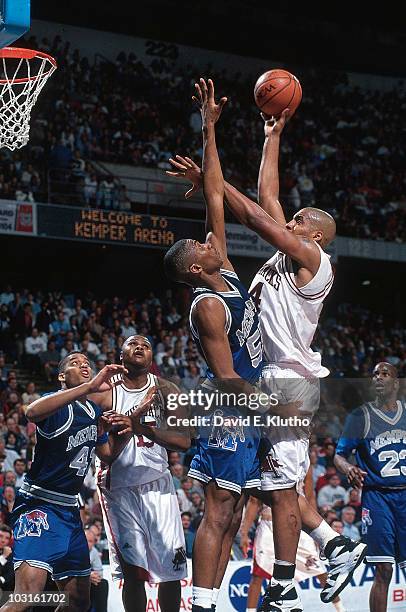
[166,386]
[209,310]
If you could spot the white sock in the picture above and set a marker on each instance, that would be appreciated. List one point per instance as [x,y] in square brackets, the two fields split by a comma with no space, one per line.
[339,606]
[215,596]
[251,610]
[202,597]
[323,534]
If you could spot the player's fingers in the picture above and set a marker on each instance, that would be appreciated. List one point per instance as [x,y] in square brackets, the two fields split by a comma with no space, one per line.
[192,163]
[177,164]
[203,87]
[210,89]
[124,431]
[174,173]
[199,93]
[267,118]
[183,160]
[222,102]
[285,114]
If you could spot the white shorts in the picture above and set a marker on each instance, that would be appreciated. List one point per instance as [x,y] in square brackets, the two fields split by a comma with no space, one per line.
[288,460]
[308,562]
[144,529]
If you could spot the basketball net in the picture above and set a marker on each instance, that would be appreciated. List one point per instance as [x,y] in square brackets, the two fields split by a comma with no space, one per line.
[23,74]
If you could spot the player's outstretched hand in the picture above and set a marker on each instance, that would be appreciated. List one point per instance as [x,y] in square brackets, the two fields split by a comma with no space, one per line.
[204,98]
[184,167]
[244,544]
[101,382]
[275,125]
[356,476]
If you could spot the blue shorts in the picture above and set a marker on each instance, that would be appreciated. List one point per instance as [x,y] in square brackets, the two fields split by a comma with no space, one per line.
[229,456]
[384,525]
[50,537]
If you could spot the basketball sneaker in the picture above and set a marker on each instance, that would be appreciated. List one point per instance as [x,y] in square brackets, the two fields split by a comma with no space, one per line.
[280,598]
[344,556]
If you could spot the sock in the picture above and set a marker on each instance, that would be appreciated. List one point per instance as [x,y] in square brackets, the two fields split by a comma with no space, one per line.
[214,598]
[283,572]
[251,610]
[323,534]
[201,599]
[339,606]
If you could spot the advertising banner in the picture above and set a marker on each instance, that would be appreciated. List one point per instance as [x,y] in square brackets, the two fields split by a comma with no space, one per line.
[17,218]
[234,590]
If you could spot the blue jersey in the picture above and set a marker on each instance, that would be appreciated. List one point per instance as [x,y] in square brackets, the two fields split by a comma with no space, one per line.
[242,326]
[66,443]
[379,441]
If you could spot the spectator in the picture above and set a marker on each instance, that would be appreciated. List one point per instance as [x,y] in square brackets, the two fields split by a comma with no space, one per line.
[184,494]
[30,394]
[6,561]
[333,494]
[348,518]
[99,587]
[20,468]
[178,471]
[7,457]
[7,503]
[192,378]
[34,345]
[354,501]
[50,360]
[337,526]
[189,535]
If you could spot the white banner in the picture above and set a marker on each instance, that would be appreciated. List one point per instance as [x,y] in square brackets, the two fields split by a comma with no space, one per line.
[233,594]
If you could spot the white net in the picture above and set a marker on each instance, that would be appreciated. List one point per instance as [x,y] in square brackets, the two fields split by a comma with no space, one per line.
[21,80]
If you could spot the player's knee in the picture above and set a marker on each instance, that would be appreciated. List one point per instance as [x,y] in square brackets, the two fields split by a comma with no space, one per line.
[219,519]
[282,497]
[79,601]
[384,572]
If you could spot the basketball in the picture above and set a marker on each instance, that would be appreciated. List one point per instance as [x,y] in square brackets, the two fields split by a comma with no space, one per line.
[276,90]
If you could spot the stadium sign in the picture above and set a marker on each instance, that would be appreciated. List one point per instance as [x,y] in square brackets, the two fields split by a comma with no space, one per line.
[17,218]
[234,590]
[114,227]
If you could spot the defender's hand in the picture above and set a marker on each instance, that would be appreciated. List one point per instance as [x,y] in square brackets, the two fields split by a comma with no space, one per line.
[184,167]
[209,109]
[101,382]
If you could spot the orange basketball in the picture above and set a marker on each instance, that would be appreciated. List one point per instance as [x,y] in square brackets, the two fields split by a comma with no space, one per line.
[276,90]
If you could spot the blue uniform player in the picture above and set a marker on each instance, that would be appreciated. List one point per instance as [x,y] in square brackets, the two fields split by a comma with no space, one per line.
[48,532]
[224,323]
[376,433]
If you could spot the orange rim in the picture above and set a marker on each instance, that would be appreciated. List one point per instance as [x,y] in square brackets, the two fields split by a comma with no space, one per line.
[20,53]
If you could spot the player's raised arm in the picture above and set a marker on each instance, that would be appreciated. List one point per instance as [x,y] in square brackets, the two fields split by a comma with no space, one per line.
[268,179]
[249,213]
[213,182]
[49,404]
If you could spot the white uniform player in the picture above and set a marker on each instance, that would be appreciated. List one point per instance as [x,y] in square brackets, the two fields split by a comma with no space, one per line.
[139,502]
[289,316]
[308,563]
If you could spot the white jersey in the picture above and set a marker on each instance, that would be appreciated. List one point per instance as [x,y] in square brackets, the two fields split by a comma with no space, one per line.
[141,460]
[289,314]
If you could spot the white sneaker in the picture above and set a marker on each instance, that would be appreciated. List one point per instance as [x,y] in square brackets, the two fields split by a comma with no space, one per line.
[344,556]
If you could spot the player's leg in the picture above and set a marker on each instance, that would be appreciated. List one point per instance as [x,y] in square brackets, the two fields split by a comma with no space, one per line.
[226,546]
[378,596]
[169,596]
[77,589]
[134,595]
[207,547]
[254,592]
[28,579]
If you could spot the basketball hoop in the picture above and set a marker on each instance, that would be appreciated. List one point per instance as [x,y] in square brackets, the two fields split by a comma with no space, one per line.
[23,73]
